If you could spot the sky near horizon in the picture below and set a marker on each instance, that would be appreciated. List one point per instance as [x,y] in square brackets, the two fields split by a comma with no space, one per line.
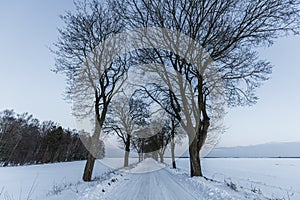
[29,28]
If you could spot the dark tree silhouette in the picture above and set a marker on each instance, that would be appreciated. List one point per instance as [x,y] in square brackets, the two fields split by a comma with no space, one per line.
[230,31]
[94,75]
[24,140]
[126,116]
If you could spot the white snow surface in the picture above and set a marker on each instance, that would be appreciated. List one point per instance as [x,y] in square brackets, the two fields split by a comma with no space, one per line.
[158,183]
[147,165]
[50,181]
[273,178]
[253,178]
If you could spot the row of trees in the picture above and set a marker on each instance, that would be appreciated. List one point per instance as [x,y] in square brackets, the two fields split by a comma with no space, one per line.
[26,140]
[147,133]
[181,38]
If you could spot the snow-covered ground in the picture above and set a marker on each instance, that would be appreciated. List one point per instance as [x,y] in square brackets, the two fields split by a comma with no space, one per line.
[152,180]
[252,178]
[50,181]
[273,177]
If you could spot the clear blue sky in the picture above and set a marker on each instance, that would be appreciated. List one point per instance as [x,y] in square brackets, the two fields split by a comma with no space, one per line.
[28,28]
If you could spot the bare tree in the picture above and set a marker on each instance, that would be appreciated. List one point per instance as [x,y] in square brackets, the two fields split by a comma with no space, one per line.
[94,74]
[138,146]
[24,140]
[165,128]
[230,31]
[121,123]
[164,137]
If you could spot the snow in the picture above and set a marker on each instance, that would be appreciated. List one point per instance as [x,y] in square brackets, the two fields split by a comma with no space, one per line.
[239,178]
[157,183]
[273,177]
[44,180]
[148,165]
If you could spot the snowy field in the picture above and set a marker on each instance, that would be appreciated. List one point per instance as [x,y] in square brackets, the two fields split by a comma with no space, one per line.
[273,177]
[50,181]
[252,178]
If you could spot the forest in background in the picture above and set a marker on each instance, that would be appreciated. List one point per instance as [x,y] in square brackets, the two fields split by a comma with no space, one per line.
[26,140]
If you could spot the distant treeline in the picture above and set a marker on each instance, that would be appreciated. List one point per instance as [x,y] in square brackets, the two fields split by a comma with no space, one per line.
[26,140]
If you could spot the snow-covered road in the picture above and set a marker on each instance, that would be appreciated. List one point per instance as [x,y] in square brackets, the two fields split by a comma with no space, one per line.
[253,179]
[153,185]
[150,180]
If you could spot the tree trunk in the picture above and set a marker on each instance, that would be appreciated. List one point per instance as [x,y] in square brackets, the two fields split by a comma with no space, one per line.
[140,157]
[155,155]
[161,156]
[88,170]
[195,164]
[126,159]
[199,138]
[173,152]
[127,150]
[93,151]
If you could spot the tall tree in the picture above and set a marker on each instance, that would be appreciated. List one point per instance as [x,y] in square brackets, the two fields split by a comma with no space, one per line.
[122,123]
[94,75]
[230,31]
[127,116]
